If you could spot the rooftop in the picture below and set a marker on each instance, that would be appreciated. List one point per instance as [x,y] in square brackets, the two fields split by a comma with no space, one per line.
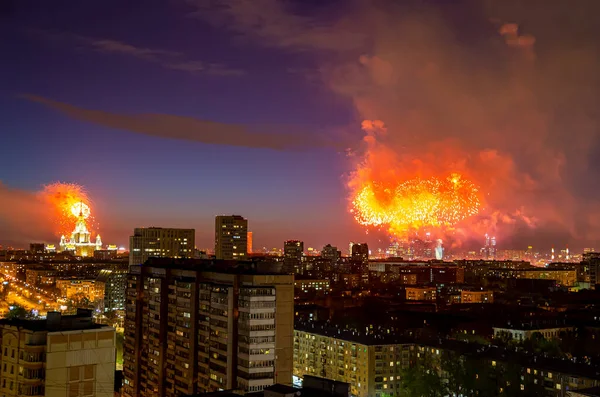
[211,265]
[283,389]
[56,322]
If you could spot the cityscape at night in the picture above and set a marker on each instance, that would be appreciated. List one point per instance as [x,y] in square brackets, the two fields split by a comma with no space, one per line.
[334,198]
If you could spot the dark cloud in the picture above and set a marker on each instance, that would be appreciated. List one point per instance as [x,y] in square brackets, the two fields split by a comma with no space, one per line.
[192,129]
[271,22]
[167,59]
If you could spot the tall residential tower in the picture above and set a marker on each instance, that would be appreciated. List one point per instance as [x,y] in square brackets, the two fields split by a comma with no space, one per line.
[231,237]
[293,251]
[191,327]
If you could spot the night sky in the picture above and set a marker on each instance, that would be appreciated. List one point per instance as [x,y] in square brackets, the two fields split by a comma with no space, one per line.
[171,112]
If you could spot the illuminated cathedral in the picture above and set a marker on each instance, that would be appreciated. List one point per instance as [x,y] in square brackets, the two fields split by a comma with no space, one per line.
[80,242]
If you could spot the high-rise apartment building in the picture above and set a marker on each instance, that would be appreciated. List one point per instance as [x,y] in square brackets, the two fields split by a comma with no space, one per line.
[249,242]
[331,253]
[113,283]
[158,242]
[489,250]
[231,237]
[360,256]
[293,251]
[191,327]
[591,261]
[59,356]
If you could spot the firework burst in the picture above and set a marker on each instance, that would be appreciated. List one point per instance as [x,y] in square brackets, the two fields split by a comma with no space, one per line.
[382,198]
[65,202]
[416,203]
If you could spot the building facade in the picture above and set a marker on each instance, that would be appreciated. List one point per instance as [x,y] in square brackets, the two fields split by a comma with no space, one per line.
[476,296]
[371,369]
[231,237]
[112,283]
[293,251]
[158,242]
[360,256]
[421,293]
[190,329]
[61,356]
[71,288]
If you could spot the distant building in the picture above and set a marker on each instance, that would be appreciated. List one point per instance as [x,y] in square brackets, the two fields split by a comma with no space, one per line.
[59,356]
[563,277]
[592,261]
[308,285]
[523,333]
[193,327]
[41,277]
[231,237]
[476,296]
[71,288]
[331,253]
[158,242]
[112,283]
[421,293]
[293,251]
[360,256]
[80,243]
[105,255]
[489,249]
[250,242]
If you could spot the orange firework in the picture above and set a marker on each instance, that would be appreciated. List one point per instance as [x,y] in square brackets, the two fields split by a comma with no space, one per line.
[66,201]
[382,198]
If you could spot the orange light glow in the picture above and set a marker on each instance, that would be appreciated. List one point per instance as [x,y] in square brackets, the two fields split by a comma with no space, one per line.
[383,198]
[65,202]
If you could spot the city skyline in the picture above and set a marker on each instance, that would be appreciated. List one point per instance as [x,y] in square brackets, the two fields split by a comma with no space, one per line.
[135,118]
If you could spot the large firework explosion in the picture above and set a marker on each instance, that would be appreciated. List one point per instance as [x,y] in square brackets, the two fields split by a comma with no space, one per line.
[383,198]
[65,202]
[416,203]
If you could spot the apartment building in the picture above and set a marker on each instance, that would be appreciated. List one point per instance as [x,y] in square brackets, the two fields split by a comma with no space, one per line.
[60,356]
[563,277]
[467,296]
[421,293]
[370,367]
[231,237]
[197,325]
[70,288]
[112,283]
[158,242]
[374,364]
[311,285]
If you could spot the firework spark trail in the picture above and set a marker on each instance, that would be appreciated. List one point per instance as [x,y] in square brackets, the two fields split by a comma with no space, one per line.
[383,199]
[62,199]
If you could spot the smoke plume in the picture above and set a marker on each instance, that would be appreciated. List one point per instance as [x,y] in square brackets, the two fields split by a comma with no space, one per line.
[495,90]
[43,216]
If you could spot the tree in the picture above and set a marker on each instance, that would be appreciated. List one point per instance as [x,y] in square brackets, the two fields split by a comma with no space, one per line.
[423,379]
[19,312]
[80,301]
